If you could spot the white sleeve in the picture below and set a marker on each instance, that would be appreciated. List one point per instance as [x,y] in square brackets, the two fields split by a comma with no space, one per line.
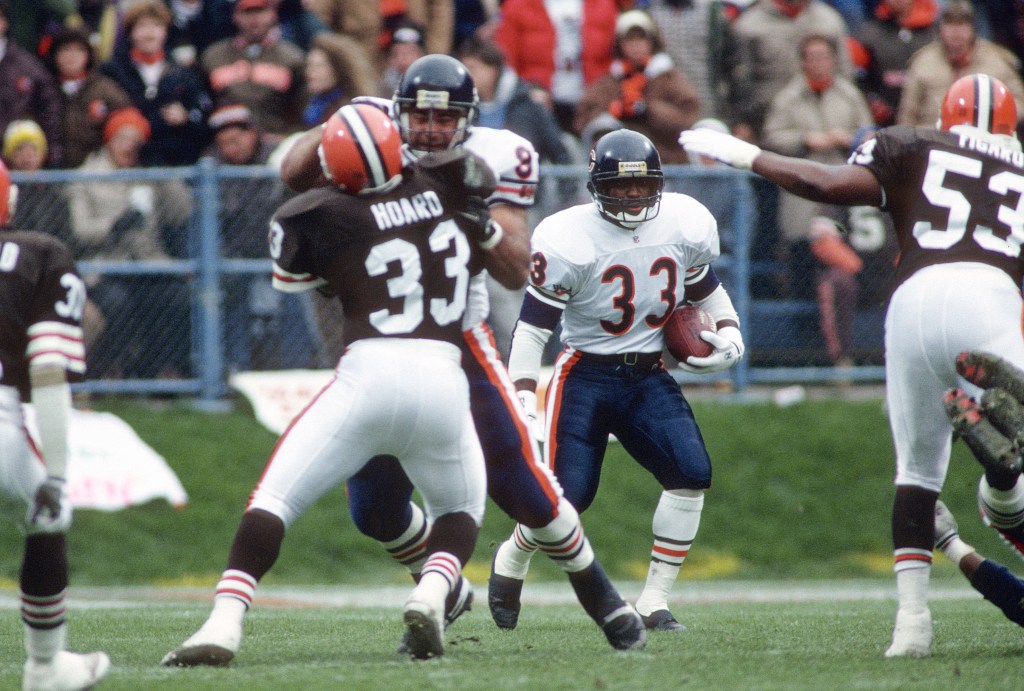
[528,343]
[719,305]
[53,409]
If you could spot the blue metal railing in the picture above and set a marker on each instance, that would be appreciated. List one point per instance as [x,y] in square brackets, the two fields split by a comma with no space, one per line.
[207,269]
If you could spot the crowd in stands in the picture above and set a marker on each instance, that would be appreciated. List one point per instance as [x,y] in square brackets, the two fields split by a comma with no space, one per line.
[232,79]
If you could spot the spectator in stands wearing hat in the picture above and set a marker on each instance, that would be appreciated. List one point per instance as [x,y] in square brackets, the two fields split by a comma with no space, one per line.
[171,97]
[258,68]
[405,47]
[253,310]
[87,96]
[27,90]
[957,51]
[337,69]
[644,89]
[41,206]
[124,220]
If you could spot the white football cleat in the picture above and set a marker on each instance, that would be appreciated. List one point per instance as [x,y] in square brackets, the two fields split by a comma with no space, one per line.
[912,636]
[67,671]
[213,645]
[424,626]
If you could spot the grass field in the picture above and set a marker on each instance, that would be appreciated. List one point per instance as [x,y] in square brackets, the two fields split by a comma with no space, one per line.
[729,645]
[801,496]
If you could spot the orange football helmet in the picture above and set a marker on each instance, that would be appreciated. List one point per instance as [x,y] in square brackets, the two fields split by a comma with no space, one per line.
[980,101]
[8,195]
[361,150]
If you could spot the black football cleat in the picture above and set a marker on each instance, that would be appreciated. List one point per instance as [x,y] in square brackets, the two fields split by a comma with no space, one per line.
[991,371]
[504,597]
[993,450]
[662,620]
[625,630]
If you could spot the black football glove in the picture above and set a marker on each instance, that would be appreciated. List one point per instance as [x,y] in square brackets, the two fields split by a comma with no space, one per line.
[460,173]
[51,508]
[474,218]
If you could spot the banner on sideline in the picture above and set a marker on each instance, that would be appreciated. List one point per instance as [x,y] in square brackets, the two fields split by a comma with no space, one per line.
[277,397]
[110,467]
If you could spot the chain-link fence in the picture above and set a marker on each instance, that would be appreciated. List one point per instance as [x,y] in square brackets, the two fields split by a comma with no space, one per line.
[180,293]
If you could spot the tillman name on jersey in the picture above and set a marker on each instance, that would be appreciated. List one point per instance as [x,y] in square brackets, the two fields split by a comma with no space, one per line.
[399,212]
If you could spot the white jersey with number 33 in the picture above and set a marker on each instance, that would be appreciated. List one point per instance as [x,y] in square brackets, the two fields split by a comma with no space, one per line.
[617,286]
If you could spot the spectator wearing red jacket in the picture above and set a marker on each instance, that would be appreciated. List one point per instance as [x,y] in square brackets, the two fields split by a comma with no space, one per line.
[562,47]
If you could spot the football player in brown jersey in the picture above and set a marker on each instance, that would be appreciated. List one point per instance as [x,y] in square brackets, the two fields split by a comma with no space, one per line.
[956,196]
[42,298]
[397,246]
[434,107]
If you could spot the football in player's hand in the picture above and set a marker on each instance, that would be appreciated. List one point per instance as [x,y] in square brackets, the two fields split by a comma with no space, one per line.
[682,332]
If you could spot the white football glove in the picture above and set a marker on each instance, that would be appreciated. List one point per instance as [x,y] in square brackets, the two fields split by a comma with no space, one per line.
[50,511]
[728,345]
[529,401]
[719,146]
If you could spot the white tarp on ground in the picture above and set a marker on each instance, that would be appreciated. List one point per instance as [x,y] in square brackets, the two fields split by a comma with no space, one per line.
[110,467]
[277,397]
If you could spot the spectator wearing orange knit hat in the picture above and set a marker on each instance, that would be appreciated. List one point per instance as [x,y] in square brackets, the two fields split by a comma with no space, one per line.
[125,220]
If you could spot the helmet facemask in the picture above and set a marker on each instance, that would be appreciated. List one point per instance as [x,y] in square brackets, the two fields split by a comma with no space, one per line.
[628,208]
[432,122]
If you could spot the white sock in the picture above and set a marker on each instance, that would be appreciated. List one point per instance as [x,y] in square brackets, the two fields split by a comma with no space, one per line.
[43,645]
[912,584]
[563,540]
[235,592]
[956,549]
[410,548]
[439,576]
[1004,508]
[512,559]
[675,524]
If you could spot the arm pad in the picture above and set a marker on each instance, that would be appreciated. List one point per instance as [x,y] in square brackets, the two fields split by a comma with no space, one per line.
[528,343]
[53,407]
[719,305]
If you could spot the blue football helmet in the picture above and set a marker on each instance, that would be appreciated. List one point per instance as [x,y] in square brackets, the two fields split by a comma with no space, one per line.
[440,87]
[618,157]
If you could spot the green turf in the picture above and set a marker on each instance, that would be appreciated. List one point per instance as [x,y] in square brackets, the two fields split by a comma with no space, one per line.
[799,492]
[815,645]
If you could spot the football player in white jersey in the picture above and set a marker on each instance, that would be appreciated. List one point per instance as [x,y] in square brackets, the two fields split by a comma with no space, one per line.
[434,107]
[42,298]
[954,193]
[611,272]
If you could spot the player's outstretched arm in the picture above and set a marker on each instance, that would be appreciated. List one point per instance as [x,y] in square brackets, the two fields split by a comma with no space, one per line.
[845,184]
